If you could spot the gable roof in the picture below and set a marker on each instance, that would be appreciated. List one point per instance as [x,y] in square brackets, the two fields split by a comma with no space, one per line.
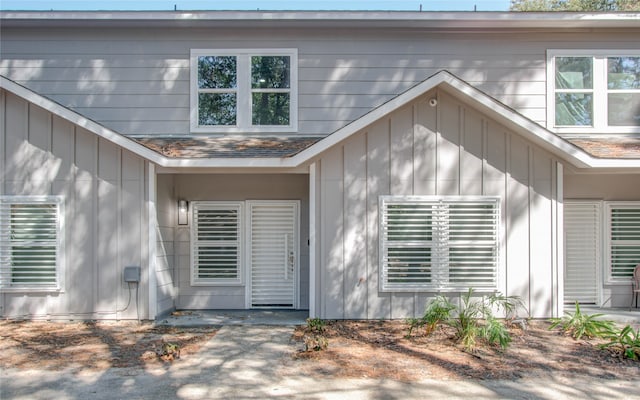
[443,79]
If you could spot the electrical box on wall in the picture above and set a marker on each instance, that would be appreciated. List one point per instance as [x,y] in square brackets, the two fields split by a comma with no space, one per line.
[132,274]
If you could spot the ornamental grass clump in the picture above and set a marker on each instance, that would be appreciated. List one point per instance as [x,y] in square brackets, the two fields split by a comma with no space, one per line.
[473,319]
[578,324]
[625,343]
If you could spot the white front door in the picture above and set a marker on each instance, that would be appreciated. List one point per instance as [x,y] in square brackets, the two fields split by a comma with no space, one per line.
[272,254]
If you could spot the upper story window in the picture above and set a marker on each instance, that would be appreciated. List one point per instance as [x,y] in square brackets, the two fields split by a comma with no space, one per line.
[594,92]
[31,243]
[244,90]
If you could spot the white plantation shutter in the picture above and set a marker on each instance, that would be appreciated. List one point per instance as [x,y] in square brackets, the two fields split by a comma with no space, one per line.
[30,242]
[217,238]
[273,253]
[623,239]
[582,229]
[438,243]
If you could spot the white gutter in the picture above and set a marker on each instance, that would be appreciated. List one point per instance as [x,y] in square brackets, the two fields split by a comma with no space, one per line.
[319,19]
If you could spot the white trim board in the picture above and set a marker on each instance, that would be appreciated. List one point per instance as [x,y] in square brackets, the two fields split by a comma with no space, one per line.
[492,108]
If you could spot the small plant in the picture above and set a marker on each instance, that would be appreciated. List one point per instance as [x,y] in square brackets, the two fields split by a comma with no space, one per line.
[577,324]
[626,343]
[314,339]
[316,325]
[438,310]
[315,342]
[169,351]
[475,320]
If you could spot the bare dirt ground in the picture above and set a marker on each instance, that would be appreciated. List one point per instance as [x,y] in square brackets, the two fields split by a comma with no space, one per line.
[371,349]
[95,345]
[380,349]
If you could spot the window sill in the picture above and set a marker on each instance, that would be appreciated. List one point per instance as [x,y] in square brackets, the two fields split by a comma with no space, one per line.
[30,290]
[435,290]
[241,130]
[217,283]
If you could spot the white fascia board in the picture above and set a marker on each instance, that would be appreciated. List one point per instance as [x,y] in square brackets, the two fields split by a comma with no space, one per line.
[503,114]
[77,119]
[329,19]
[229,163]
[371,117]
[534,132]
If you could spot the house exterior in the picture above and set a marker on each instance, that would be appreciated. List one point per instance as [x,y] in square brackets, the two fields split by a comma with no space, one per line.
[353,164]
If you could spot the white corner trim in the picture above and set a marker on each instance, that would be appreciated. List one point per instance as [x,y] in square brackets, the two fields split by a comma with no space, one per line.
[152,254]
[312,241]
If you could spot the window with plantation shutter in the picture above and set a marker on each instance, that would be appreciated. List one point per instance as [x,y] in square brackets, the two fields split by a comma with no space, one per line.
[31,242]
[623,240]
[217,238]
[438,243]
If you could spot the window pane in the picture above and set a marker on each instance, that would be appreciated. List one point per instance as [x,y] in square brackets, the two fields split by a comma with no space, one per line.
[270,72]
[624,109]
[574,109]
[217,225]
[33,237]
[217,262]
[270,109]
[625,241]
[217,109]
[623,73]
[216,72]
[409,265]
[410,222]
[574,73]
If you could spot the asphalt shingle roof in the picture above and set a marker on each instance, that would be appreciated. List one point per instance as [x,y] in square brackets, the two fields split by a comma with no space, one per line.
[227,147]
[610,147]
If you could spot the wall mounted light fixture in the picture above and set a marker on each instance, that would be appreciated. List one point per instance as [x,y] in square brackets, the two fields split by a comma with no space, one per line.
[183,212]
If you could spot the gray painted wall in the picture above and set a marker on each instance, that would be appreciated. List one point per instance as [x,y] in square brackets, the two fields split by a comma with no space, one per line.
[232,187]
[136,81]
[104,189]
[422,150]
[604,187]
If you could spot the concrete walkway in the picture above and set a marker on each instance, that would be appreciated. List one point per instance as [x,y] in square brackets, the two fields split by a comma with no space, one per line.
[243,362]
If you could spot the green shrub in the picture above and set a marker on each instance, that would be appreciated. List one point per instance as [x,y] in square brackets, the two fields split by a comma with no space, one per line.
[577,324]
[473,320]
[316,325]
[626,342]
[438,310]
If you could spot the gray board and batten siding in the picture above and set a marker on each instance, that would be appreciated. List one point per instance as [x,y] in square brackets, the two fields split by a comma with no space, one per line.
[136,81]
[105,216]
[450,149]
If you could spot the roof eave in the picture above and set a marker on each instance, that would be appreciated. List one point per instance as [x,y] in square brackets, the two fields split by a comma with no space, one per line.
[504,115]
[316,19]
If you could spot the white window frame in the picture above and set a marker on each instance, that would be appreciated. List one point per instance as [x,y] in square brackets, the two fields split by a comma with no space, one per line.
[600,91]
[239,243]
[244,91]
[608,207]
[5,258]
[440,245]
